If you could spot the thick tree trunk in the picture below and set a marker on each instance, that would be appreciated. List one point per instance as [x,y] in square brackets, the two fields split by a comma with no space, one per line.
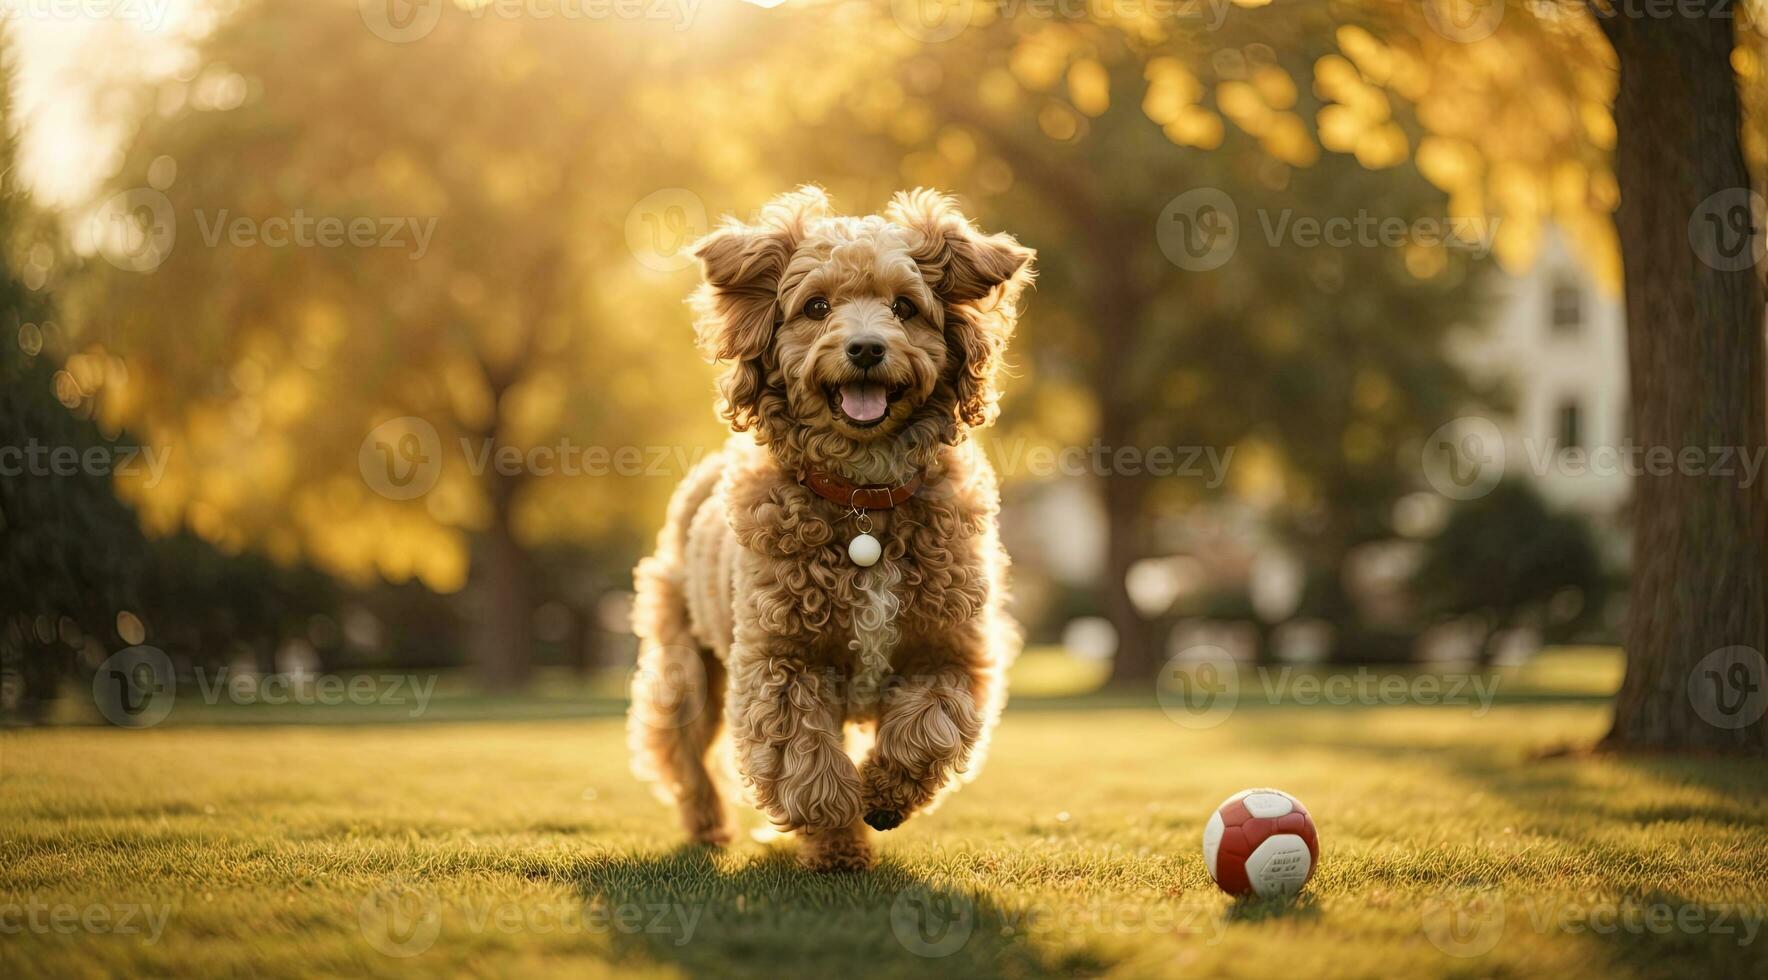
[1117,299]
[502,582]
[1138,656]
[586,637]
[1695,345]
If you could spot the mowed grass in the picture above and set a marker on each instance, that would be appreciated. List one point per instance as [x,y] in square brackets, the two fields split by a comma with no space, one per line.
[1451,847]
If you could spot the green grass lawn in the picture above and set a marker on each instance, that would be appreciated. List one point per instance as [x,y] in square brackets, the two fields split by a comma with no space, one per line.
[1450,847]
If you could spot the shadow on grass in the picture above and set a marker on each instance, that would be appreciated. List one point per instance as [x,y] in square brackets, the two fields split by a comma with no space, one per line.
[1733,790]
[1642,912]
[1669,934]
[1295,908]
[720,915]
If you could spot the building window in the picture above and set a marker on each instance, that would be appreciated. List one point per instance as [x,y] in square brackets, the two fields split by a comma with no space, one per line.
[1571,425]
[1566,305]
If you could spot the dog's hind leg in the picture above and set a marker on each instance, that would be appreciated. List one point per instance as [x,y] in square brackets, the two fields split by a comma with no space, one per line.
[677,707]
[678,690]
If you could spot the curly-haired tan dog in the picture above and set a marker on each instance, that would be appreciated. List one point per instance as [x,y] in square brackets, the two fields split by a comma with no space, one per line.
[838,562]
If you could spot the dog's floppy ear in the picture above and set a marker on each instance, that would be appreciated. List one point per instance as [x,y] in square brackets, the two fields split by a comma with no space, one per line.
[979,278]
[962,264]
[737,307]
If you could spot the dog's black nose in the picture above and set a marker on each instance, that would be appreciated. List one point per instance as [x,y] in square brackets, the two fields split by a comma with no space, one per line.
[884,819]
[865,353]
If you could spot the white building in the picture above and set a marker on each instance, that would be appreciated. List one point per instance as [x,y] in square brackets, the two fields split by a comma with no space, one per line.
[1557,343]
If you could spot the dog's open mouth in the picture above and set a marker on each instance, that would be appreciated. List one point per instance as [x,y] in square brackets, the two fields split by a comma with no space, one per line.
[863,404]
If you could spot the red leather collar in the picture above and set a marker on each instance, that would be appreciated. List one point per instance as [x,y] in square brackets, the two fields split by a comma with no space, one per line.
[866,496]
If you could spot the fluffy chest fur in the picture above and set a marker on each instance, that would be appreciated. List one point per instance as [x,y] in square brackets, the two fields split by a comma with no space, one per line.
[932,575]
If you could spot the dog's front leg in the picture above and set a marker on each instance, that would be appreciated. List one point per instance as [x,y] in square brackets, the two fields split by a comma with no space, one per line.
[786,726]
[928,725]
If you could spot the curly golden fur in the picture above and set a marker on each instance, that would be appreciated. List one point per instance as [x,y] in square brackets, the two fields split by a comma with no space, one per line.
[751,615]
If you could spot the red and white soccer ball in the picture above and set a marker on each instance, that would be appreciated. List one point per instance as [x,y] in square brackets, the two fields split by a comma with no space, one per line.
[1260,842]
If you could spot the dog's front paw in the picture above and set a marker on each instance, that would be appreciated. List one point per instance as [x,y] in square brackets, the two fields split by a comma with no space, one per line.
[886,798]
[835,850]
[884,819]
[714,835]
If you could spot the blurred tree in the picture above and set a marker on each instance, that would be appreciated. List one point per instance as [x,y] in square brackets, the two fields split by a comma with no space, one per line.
[1315,364]
[214,609]
[1510,115]
[477,375]
[70,552]
[1509,559]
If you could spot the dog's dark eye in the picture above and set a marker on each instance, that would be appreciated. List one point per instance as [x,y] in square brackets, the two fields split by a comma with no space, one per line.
[817,309]
[903,308]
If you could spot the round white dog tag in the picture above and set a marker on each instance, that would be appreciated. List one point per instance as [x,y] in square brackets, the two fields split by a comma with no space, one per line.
[865,550]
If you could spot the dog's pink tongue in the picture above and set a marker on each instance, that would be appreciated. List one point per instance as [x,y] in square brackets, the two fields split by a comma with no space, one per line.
[863,402]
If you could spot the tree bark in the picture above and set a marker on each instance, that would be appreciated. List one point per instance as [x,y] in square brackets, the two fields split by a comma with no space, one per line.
[1138,656]
[1695,349]
[502,580]
[1119,301]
